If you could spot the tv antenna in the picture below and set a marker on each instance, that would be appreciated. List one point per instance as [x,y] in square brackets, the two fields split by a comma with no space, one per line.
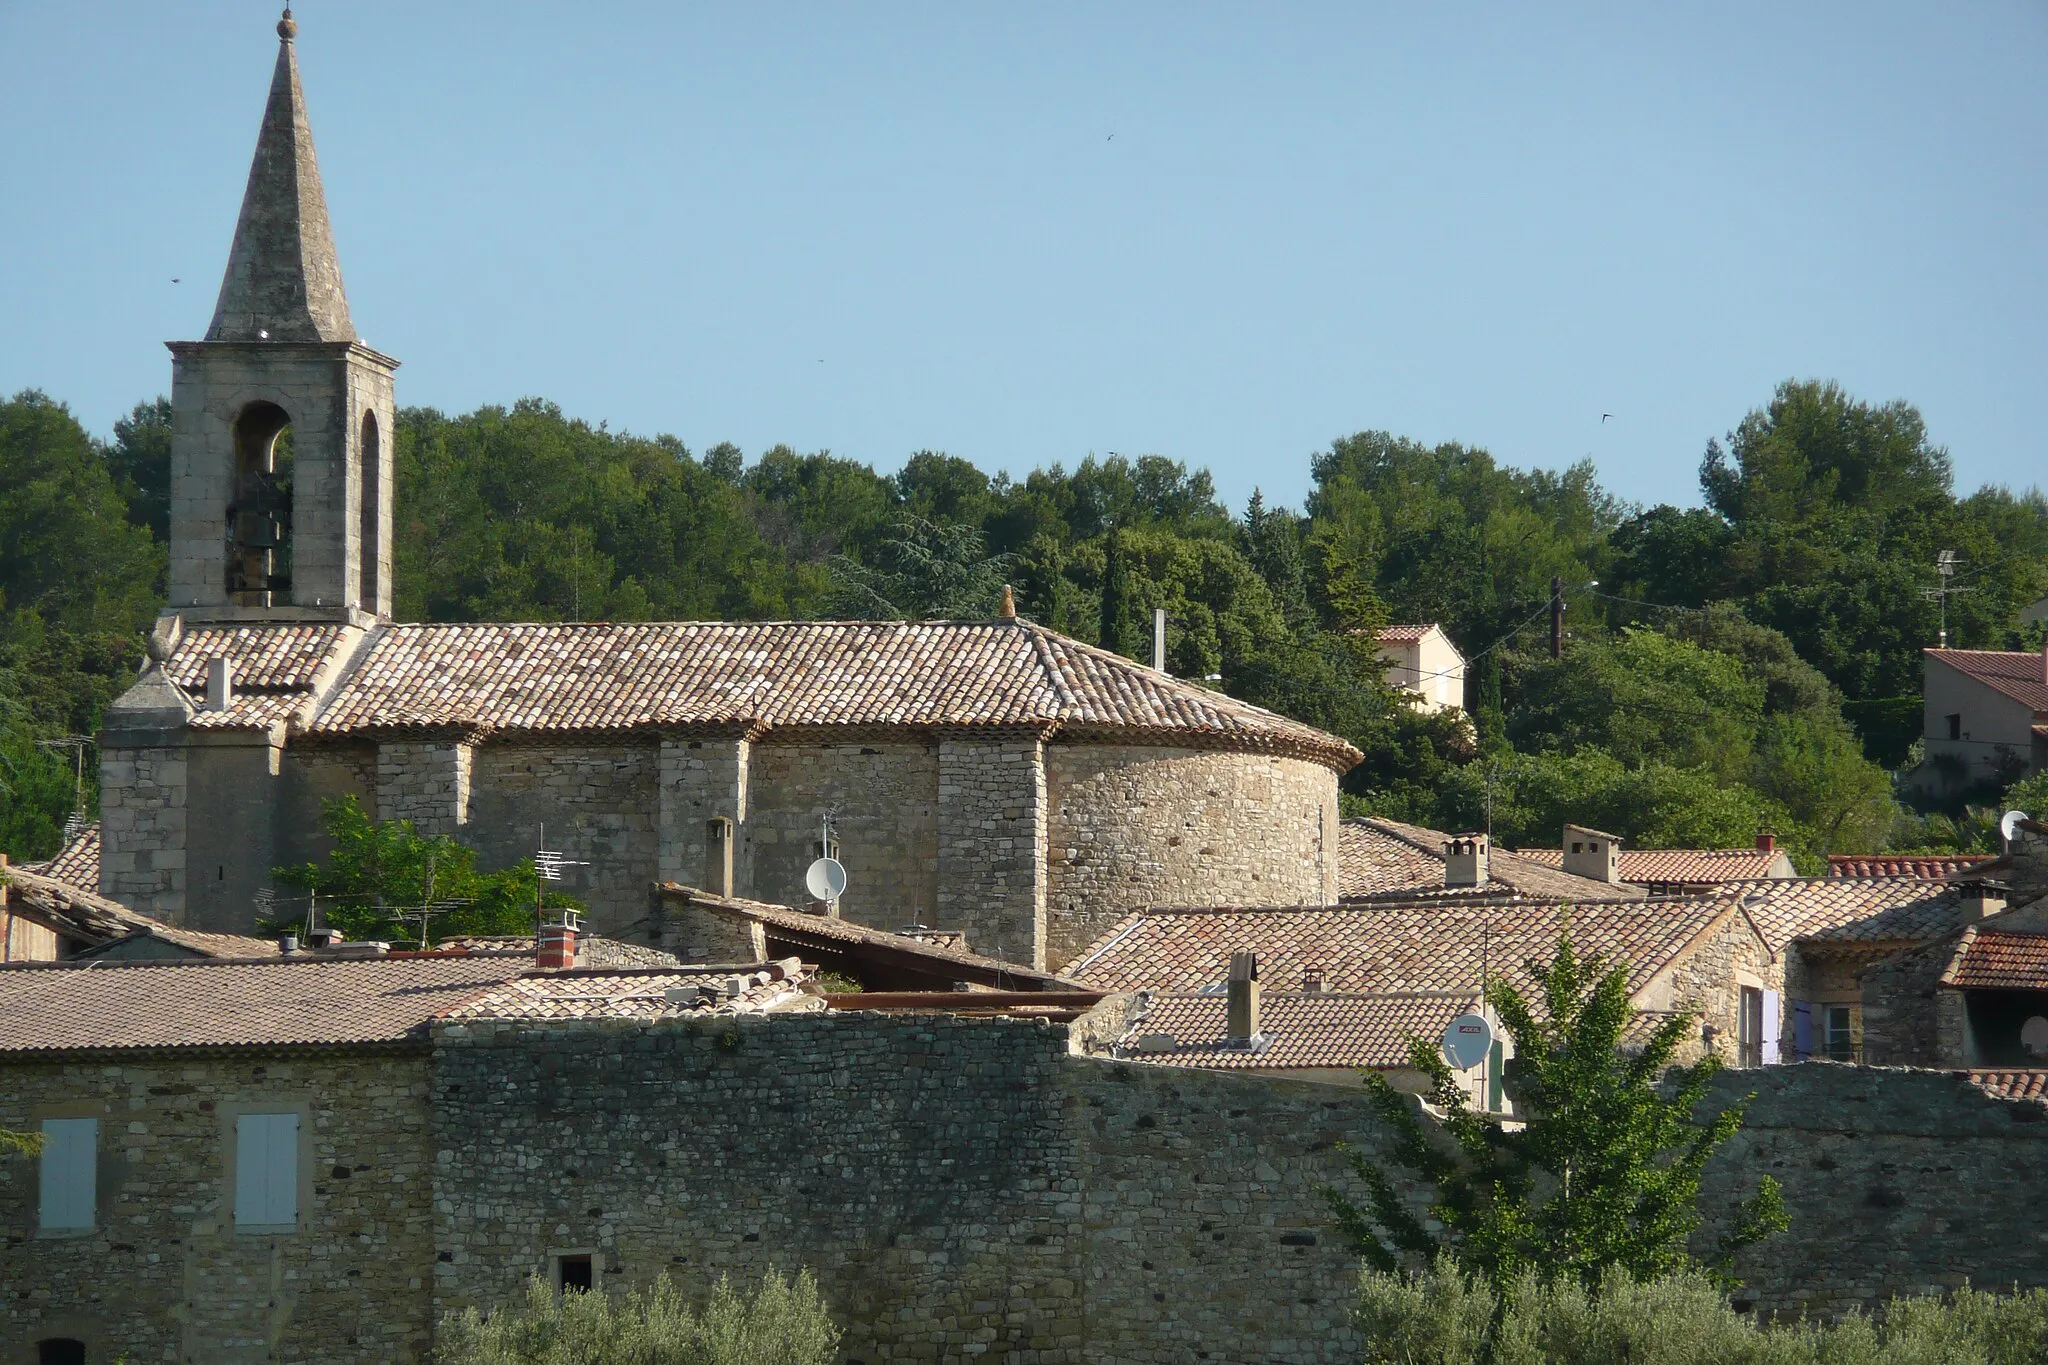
[1944,565]
[429,907]
[74,823]
[547,867]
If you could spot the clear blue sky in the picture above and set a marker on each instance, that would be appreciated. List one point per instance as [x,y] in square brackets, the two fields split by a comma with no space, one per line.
[1024,233]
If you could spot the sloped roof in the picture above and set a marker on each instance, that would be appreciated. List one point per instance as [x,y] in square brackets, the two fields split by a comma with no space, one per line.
[1300,1030]
[90,918]
[77,863]
[164,1003]
[1852,910]
[731,677]
[1379,948]
[1676,866]
[641,994]
[2012,1083]
[1988,959]
[1928,867]
[1405,635]
[2021,676]
[1377,855]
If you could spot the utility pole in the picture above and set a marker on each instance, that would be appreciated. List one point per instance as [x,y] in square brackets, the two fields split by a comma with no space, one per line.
[1556,617]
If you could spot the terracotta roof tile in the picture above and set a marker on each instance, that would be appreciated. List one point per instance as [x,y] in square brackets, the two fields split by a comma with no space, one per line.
[1852,910]
[1380,948]
[1404,635]
[2023,677]
[197,1003]
[742,676]
[87,917]
[1377,856]
[1676,866]
[1993,960]
[1300,1030]
[2012,1083]
[1924,866]
[77,863]
[637,995]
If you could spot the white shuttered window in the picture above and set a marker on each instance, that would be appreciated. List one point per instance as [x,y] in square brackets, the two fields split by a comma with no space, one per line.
[69,1165]
[266,1170]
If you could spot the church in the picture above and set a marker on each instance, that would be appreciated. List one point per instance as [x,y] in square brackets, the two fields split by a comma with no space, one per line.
[989,777]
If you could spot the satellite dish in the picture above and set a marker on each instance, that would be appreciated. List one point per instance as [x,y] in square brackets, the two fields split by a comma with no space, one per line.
[825,880]
[2034,1035]
[2009,825]
[1467,1041]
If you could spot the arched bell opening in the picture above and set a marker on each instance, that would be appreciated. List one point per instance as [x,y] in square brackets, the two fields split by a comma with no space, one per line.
[372,511]
[259,526]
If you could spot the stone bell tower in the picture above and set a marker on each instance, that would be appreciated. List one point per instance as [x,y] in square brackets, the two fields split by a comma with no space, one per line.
[265,528]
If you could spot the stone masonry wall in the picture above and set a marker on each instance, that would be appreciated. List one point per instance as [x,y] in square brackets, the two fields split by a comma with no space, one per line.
[427,782]
[1707,983]
[962,1188]
[142,828]
[885,798]
[700,780]
[165,1276]
[1135,825]
[992,846]
[599,803]
[1898,1182]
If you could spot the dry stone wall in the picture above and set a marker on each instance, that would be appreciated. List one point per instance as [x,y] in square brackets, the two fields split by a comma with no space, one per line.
[165,1276]
[1137,825]
[964,1189]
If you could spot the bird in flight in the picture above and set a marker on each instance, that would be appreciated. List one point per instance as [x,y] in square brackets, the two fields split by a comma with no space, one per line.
[1604,416]
[174,279]
[1110,138]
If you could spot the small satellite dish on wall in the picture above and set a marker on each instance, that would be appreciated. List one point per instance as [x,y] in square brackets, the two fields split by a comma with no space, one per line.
[2009,825]
[1467,1041]
[825,880]
[2034,1035]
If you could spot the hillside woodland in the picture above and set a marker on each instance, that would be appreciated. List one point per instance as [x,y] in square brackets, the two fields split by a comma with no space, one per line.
[1750,663]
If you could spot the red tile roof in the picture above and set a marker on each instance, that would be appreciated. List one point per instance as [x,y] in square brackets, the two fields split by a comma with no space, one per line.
[642,994]
[734,677]
[1376,948]
[2012,1083]
[1820,910]
[1989,959]
[281,1002]
[77,863]
[2023,677]
[1405,635]
[1928,867]
[1320,1030]
[1377,856]
[86,917]
[1676,866]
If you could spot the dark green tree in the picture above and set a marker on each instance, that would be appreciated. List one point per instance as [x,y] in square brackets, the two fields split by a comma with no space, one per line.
[921,571]
[140,459]
[1604,1170]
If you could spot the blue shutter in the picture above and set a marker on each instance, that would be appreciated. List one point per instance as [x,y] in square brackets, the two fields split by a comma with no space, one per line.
[266,1170]
[1802,1030]
[70,1188]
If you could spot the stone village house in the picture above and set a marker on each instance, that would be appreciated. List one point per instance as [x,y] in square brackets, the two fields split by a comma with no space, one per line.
[988,777]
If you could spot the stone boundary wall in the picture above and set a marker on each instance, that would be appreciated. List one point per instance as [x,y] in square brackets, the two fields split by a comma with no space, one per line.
[963,1188]
[165,1275]
[1138,825]
[1898,1182]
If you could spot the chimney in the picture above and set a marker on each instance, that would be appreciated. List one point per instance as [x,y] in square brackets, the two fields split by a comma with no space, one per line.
[1241,1027]
[1981,901]
[220,684]
[1466,861]
[1591,853]
[1767,842]
[718,848]
[557,946]
[1006,610]
[1159,638]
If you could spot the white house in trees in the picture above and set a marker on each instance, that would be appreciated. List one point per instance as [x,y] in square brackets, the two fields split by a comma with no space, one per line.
[1422,661]
[1986,713]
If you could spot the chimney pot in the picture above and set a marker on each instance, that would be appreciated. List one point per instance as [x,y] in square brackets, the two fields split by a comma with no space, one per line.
[1242,1001]
[1467,860]
[220,684]
[1591,853]
[556,948]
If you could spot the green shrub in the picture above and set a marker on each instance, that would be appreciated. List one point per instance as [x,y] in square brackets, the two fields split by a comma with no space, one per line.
[1443,1317]
[783,1322]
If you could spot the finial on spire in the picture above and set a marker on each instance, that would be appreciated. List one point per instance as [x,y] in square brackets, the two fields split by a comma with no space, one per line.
[1008,610]
[287,26]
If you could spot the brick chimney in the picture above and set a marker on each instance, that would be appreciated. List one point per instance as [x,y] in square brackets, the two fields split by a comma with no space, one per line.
[1766,842]
[1466,861]
[1242,1004]
[557,946]
[1592,853]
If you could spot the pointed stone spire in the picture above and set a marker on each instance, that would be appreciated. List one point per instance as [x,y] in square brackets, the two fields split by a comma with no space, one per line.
[283,281]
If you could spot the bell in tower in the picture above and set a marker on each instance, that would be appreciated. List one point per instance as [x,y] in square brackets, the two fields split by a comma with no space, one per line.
[282,418]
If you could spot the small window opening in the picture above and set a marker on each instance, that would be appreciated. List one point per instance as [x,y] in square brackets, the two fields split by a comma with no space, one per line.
[60,1351]
[1749,1034]
[1955,725]
[1841,1041]
[259,526]
[373,492]
[573,1272]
